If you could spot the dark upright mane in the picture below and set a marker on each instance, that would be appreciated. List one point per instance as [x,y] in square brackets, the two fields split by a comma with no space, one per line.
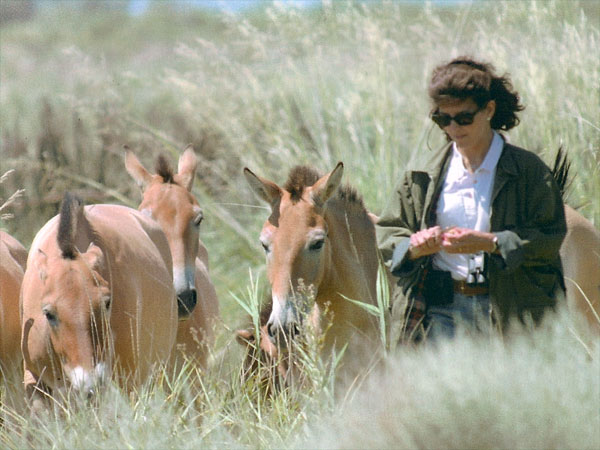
[560,171]
[301,177]
[67,225]
[163,168]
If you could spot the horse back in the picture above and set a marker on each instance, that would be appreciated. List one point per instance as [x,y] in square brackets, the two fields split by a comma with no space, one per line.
[580,254]
[13,259]
[145,309]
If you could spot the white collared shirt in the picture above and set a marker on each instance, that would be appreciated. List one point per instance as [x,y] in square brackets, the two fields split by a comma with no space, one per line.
[465,202]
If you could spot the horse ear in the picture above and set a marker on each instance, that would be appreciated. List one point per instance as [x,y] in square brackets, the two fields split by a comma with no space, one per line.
[186,168]
[134,167]
[265,189]
[93,256]
[327,185]
[41,264]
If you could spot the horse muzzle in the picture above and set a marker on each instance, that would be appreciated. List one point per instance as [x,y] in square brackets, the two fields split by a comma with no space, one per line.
[284,323]
[88,382]
[282,335]
[186,302]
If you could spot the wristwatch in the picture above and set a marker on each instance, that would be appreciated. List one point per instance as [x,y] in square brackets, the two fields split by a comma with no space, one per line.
[495,242]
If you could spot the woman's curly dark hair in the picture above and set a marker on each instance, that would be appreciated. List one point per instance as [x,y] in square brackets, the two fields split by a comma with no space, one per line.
[464,78]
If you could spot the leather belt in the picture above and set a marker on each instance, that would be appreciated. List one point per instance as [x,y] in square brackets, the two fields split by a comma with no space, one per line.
[461,287]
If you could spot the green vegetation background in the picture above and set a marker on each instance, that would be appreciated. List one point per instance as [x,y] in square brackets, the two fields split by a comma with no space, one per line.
[271,89]
[268,90]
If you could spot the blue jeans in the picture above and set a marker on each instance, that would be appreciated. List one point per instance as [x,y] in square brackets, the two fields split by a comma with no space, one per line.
[471,313]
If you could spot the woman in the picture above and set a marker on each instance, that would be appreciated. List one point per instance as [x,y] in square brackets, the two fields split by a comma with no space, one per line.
[479,230]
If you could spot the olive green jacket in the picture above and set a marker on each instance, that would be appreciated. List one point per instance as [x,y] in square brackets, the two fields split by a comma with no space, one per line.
[526,214]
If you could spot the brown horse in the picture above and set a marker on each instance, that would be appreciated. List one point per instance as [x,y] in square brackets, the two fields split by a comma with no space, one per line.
[112,306]
[13,259]
[580,254]
[167,198]
[319,236]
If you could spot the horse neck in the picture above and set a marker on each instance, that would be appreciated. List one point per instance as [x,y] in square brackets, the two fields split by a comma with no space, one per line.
[353,257]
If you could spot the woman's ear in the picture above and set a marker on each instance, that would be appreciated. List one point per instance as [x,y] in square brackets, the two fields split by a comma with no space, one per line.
[490,109]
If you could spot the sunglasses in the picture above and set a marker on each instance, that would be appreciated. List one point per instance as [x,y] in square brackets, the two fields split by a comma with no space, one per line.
[462,118]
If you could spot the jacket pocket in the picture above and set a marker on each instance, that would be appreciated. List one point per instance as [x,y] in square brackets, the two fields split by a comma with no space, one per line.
[538,286]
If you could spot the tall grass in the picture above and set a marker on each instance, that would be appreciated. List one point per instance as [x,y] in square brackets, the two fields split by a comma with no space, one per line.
[536,390]
[268,90]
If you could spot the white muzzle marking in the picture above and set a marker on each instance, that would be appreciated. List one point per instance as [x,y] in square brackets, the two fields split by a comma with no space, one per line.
[282,314]
[184,278]
[81,379]
[85,381]
[276,313]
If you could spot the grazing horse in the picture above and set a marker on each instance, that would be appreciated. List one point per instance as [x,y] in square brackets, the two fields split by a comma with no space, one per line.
[582,273]
[13,258]
[319,236]
[167,198]
[97,295]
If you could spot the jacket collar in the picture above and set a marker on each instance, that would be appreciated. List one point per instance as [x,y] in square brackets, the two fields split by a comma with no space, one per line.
[437,168]
[505,171]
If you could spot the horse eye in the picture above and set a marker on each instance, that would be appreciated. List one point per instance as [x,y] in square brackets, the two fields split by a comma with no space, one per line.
[317,245]
[50,316]
[198,219]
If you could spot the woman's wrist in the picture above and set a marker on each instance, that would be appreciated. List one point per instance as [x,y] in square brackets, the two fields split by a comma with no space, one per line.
[494,244]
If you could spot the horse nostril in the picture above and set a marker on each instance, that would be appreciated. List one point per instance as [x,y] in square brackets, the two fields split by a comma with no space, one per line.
[294,330]
[186,302]
[271,331]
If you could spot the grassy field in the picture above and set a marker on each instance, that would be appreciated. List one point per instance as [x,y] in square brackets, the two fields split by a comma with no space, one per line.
[268,90]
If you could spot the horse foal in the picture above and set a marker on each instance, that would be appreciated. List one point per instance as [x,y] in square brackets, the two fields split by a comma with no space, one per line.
[167,198]
[320,236]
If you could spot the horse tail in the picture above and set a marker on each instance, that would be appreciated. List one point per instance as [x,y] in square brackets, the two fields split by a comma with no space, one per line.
[71,208]
[560,171]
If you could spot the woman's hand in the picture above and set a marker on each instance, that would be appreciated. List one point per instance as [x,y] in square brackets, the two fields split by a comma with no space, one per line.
[425,242]
[465,240]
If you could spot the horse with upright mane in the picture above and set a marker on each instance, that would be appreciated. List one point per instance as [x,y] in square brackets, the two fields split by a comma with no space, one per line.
[167,198]
[97,295]
[579,253]
[320,237]
[13,259]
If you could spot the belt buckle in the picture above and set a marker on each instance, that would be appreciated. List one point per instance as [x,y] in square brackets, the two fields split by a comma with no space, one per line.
[460,286]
